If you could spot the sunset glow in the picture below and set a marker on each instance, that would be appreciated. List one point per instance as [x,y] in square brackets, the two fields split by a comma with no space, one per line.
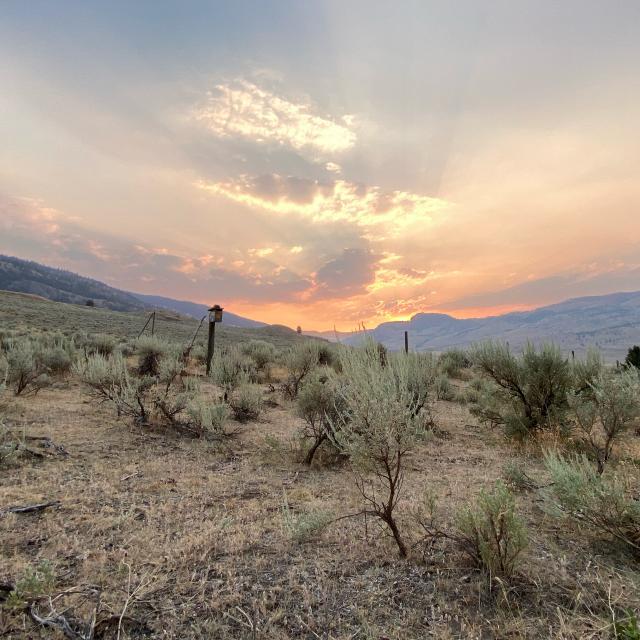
[326,164]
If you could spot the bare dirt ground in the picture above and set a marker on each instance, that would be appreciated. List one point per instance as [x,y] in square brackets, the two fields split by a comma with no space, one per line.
[174,538]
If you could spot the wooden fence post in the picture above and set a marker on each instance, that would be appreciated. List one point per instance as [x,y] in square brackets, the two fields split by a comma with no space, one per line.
[211,343]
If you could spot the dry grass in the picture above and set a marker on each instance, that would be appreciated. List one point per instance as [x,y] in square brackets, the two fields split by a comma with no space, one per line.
[185,539]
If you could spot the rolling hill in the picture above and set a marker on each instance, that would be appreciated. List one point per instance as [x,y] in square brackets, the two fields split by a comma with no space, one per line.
[609,322]
[195,310]
[58,285]
[24,276]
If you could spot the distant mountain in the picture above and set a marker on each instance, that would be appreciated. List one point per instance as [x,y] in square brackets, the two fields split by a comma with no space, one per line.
[196,310]
[24,276]
[58,285]
[610,322]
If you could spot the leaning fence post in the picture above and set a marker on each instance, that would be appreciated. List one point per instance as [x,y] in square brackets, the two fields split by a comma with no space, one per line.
[152,315]
[406,342]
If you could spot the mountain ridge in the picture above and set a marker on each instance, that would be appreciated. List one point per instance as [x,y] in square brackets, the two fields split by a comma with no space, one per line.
[197,310]
[610,322]
[60,285]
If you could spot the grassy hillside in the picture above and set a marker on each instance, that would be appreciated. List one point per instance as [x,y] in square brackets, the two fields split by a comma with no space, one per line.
[26,312]
[62,286]
[58,285]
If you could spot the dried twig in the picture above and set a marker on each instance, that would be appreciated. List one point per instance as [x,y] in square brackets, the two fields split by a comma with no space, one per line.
[136,474]
[131,595]
[56,620]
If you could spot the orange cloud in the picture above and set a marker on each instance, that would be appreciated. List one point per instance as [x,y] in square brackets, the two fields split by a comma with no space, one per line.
[337,201]
[24,213]
[244,109]
[386,278]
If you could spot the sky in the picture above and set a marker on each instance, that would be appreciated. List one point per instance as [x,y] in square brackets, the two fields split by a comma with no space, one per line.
[326,163]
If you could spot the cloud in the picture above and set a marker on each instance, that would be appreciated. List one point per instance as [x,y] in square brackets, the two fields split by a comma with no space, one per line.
[32,230]
[315,284]
[346,275]
[245,110]
[333,201]
[24,213]
[333,167]
[386,278]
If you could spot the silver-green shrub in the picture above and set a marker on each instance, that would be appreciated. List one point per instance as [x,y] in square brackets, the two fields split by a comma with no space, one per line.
[528,393]
[199,353]
[305,525]
[109,380]
[168,398]
[516,476]
[262,353]
[478,387]
[320,405]
[11,446]
[150,350]
[607,504]
[55,360]
[452,362]
[382,420]
[231,368]
[246,402]
[127,348]
[443,388]
[492,533]
[101,373]
[603,411]
[327,355]
[100,343]
[585,372]
[4,373]
[421,372]
[26,374]
[299,361]
[172,393]
[208,418]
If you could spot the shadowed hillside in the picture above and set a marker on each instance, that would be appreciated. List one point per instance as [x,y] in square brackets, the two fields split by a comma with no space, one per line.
[62,286]
[59,285]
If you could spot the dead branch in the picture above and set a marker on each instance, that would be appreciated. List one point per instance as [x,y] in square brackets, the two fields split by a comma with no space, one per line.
[32,508]
[55,621]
